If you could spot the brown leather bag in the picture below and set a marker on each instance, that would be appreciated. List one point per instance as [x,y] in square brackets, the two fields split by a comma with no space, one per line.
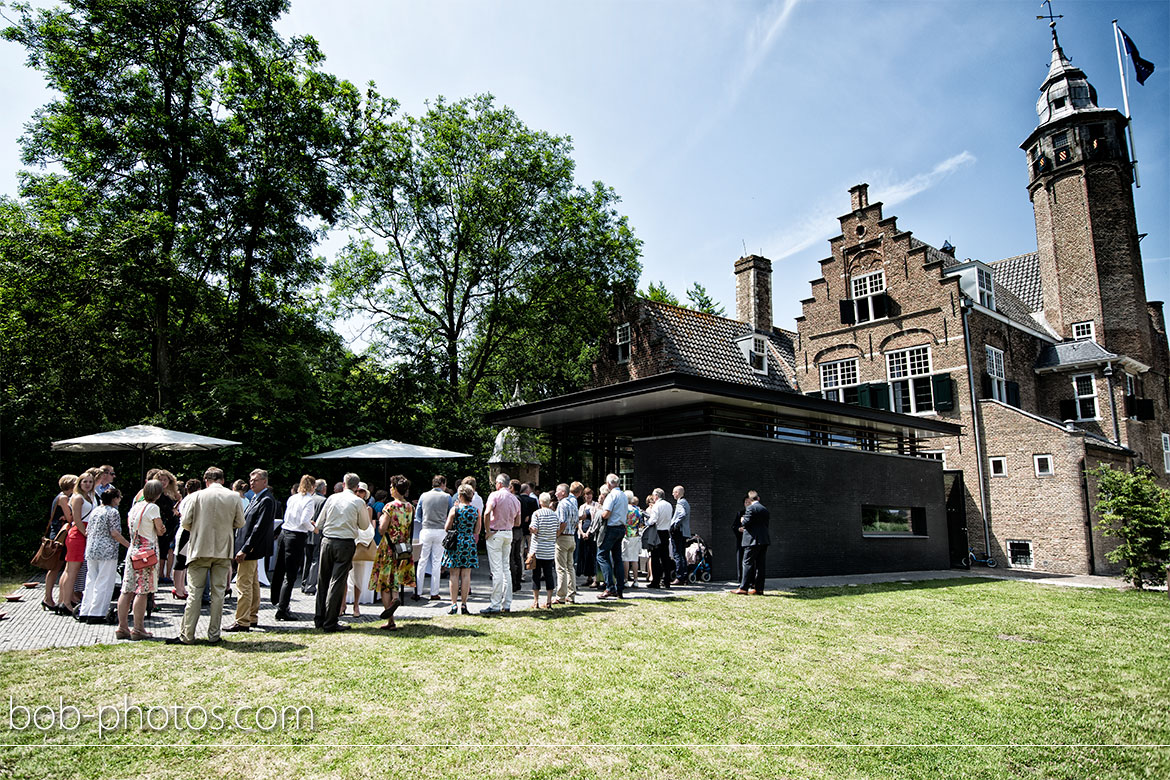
[52,551]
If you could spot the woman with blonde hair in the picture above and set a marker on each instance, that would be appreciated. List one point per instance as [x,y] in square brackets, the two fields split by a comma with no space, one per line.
[464,519]
[81,504]
[60,518]
[138,584]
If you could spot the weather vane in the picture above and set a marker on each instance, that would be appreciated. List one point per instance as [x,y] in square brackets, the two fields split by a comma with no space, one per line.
[1050,17]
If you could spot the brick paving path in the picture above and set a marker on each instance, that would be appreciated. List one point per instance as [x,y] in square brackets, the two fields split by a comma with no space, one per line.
[27,627]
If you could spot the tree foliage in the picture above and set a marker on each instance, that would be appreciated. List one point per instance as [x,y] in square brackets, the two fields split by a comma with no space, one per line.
[657,292]
[482,262]
[700,300]
[1136,510]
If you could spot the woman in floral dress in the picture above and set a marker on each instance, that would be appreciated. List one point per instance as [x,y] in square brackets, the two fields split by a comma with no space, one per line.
[146,526]
[394,571]
[464,519]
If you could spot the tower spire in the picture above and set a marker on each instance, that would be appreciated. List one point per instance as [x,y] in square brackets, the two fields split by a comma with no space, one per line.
[1051,21]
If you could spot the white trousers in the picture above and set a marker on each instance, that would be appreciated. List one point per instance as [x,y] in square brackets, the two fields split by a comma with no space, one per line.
[499,548]
[430,558]
[99,586]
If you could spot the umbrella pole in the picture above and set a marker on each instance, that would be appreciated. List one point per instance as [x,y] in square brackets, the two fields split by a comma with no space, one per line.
[142,465]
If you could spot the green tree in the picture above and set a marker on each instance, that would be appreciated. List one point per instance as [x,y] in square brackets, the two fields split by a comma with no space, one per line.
[700,300]
[196,118]
[657,292]
[482,263]
[1136,510]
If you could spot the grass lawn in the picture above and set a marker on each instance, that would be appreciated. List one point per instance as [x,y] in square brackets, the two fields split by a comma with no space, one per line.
[955,679]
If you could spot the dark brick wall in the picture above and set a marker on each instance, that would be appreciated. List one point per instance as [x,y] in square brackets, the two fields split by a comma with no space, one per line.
[815,496]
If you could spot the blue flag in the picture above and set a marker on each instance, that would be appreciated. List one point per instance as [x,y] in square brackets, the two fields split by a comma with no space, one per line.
[1141,68]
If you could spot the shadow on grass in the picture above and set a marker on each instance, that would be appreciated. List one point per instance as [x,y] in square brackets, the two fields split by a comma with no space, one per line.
[825,592]
[263,646]
[419,627]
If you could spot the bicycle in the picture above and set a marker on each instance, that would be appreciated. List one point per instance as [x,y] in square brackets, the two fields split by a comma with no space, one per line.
[973,558]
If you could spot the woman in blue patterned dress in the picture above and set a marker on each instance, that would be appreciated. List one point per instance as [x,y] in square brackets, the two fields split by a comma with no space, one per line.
[464,518]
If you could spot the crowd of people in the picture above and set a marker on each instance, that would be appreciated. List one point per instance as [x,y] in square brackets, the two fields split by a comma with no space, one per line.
[198,535]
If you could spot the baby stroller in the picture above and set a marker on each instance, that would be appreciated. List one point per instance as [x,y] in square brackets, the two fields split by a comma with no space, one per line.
[698,560]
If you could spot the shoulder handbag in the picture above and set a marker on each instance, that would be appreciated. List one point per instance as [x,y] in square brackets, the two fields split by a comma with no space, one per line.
[49,554]
[142,558]
[451,540]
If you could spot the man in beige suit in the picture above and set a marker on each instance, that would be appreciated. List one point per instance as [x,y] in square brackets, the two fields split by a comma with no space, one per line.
[211,515]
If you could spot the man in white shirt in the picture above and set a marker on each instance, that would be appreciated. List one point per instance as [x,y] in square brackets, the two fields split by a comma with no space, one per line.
[660,564]
[680,531]
[342,516]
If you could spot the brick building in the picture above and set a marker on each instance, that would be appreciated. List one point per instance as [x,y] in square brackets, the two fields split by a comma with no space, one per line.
[1052,361]
[925,404]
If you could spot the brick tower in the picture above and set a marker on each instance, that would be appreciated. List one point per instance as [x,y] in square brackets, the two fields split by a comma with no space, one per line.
[1080,183]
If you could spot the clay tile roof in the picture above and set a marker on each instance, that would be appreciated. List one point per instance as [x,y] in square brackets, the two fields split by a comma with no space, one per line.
[1021,275]
[705,345]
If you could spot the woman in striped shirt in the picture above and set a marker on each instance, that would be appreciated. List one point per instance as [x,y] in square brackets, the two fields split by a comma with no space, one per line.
[545,527]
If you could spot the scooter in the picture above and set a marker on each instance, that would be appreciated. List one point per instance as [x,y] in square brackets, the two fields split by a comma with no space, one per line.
[973,558]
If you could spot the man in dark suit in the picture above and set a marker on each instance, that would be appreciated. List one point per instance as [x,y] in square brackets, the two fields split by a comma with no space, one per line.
[259,518]
[755,545]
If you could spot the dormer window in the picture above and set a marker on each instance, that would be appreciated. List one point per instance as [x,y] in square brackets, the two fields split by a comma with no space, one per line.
[1083,331]
[869,300]
[622,342]
[986,288]
[758,356]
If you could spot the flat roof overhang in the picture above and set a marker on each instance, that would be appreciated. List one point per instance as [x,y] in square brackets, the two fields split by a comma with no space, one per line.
[674,390]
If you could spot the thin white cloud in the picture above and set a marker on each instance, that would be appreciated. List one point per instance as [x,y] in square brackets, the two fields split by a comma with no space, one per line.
[820,223]
[897,192]
[765,31]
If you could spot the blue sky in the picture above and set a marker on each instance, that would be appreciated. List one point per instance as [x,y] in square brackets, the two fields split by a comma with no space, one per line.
[731,125]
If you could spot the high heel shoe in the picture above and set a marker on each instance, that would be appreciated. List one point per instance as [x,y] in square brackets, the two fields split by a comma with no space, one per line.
[47,607]
[61,609]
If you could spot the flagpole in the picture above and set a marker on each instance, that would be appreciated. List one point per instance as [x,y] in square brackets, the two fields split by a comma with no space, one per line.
[1137,182]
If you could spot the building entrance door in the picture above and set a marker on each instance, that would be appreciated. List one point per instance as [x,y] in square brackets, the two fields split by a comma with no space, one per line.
[956,517]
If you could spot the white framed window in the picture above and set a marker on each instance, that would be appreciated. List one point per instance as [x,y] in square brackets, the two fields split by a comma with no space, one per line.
[998,466]
[1019,553]
[986,284]
[1085,390]
[1043,465]
[839,380]
[1083,331]
[622,339]
[996,372]
[864,288]
[909,374]
[758,357]
[939,455]
[1166,452]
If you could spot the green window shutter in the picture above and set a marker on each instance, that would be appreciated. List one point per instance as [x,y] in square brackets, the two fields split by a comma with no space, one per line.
[944,392]
[1013,394]
[875,395]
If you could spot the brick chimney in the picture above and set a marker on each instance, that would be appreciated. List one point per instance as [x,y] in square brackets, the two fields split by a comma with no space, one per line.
[859,196]
[753,291]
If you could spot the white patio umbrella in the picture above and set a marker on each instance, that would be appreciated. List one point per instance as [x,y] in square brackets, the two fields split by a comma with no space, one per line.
[387,450]
[144,438]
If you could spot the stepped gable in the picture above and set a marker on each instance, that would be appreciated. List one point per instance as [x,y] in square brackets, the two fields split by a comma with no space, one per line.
[705,345]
